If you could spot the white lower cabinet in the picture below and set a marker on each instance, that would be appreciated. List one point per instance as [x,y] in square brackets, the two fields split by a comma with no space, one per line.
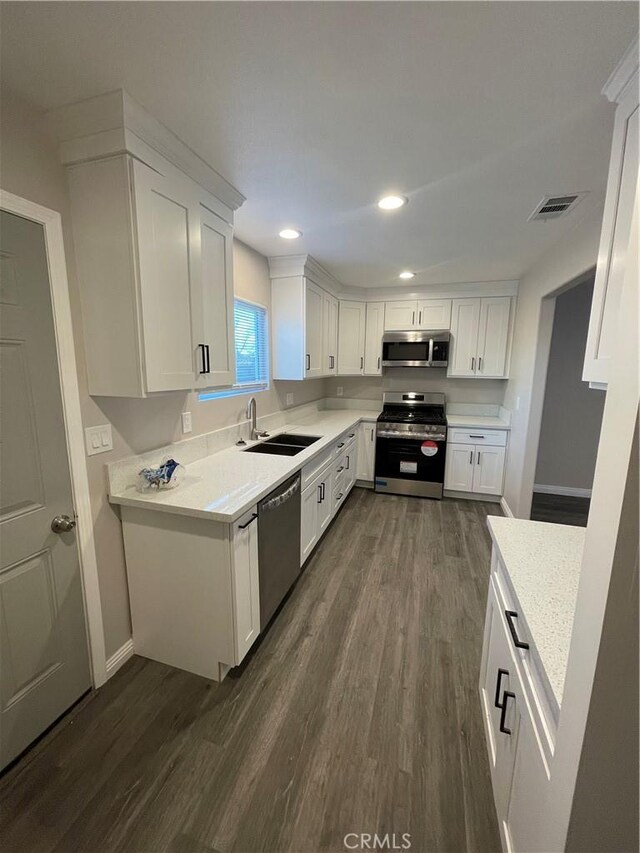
[193,587]
[519,768]
[366,451]
[475,468]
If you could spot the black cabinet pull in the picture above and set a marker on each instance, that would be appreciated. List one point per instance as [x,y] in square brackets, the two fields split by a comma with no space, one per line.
[251,520]
[341,444]
[378,362]
[341,468]
[206,365]
[501,672]
[322,487]
[319,493]
[308,362]
[471,457]
[347,463]
[361,362]
[518,643]
[475,436]
[503,714]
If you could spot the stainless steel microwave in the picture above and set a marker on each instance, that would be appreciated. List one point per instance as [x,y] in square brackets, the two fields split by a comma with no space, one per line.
[415,349]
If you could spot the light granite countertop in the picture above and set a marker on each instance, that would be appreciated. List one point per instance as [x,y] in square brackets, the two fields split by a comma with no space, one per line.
[477,422]
[543,564]
[224,485]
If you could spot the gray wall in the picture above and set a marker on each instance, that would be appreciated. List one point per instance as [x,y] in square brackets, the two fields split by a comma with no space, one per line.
[572,412]
[417,379]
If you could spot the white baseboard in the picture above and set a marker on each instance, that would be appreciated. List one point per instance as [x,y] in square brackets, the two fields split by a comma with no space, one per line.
[562,490]
[119,658]
[506,509]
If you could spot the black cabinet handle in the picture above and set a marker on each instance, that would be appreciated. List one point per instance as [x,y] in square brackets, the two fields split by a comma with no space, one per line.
[308,362]
[341,468]
[319,493]
[361,362]
[347,463]
[322,487]
[475,436]
[420,318]
[503,714]
[478,457]
[351,434]
[518,643]
[471,457]
[501,672]
[206,364]
[378,362]
[251,520]
[341,444]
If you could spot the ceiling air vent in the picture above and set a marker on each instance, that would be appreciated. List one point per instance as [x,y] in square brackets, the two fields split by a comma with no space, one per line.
[553,206]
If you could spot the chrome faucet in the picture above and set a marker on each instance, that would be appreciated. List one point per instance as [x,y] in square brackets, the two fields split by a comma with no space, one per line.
[251,415]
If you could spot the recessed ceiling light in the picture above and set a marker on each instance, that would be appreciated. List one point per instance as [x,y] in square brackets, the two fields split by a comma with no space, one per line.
[407,274]
[392,202]
[290,233]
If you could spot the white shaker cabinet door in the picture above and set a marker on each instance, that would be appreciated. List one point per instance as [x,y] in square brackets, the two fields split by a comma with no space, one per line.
[366,451]
[351,335]
[167,219]
[310,502]
[214,340]
[434,314]
[313,330]
[325,507]
[400,315]
[488,470]
[465,318]
[493,337]
[459,467]
[373,338]
[246,582]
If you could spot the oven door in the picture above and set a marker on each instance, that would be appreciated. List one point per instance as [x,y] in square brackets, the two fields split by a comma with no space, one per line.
[410,466]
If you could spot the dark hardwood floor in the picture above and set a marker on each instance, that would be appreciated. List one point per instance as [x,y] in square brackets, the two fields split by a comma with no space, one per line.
[358,712]
[560,509]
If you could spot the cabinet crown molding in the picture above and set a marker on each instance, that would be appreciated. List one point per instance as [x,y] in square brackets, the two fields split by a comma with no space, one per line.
[623,73]
[114,123]
[285,266]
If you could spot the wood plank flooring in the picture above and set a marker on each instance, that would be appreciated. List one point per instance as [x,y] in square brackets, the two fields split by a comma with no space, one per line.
[357,712]
[560,509]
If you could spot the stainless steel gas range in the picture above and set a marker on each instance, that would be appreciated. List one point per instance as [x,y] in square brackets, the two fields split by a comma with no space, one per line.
[411,444]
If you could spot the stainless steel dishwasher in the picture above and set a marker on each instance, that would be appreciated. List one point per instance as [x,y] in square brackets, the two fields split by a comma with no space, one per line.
[278,545]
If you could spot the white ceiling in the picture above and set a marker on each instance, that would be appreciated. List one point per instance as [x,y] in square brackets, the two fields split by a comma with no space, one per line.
[314,110]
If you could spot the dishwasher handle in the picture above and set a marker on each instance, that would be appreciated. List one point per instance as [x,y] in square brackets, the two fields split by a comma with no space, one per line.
[283,497]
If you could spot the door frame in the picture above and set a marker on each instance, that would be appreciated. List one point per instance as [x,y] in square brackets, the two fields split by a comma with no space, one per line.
[67,370]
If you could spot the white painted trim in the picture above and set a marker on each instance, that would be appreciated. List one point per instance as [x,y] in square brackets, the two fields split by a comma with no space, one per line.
[506,509]
[622,73]
[52,224]
[562,490]
[120,657]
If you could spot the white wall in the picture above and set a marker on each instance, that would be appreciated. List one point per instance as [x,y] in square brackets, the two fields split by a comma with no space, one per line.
[572,412]
[418,379]
[524,393]
[30,168]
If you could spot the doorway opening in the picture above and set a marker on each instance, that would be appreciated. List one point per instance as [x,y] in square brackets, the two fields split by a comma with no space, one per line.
[571,416]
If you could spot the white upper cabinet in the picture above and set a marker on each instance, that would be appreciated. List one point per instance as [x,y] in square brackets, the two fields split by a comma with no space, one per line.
[153,249]
[329,334]
[400,315]
[481,330]
[622,188]
[374,330]
[315,337]
[434,314]
[351,338]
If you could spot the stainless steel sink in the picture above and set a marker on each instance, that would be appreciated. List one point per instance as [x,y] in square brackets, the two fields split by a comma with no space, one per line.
[296,440]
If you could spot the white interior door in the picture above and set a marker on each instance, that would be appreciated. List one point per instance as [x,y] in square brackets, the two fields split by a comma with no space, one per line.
[465,316]
[374,330]
[44,653]
[493,337]
[313,331]
[351,338]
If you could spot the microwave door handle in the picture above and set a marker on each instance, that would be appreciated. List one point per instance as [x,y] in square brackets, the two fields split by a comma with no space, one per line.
[430,350]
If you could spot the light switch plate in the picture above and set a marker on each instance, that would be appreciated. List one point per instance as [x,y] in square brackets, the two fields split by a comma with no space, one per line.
[186,422]
[98,439]
[339,391]
[289,399]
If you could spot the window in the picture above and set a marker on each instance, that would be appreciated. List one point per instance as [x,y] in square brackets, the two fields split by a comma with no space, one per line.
[252,351]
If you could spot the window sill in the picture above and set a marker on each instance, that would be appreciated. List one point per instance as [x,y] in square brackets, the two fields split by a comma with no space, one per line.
[236,391]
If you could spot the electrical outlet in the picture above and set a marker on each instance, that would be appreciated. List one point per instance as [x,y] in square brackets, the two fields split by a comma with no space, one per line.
[98,439]
[289,399]
[186,422]
[339,390]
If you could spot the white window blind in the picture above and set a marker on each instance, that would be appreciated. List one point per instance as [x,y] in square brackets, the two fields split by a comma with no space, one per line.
[252,351]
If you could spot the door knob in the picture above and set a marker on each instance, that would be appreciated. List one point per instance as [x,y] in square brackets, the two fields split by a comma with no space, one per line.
[62,524]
